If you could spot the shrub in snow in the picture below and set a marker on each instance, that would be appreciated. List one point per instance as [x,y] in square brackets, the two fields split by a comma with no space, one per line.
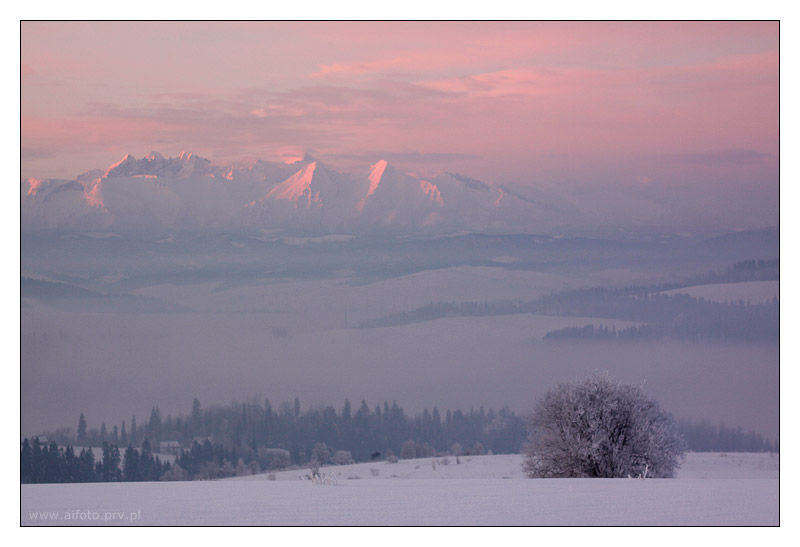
[324,479]
[601,428]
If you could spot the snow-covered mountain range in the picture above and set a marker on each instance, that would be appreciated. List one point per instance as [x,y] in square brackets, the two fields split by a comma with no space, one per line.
[158,194]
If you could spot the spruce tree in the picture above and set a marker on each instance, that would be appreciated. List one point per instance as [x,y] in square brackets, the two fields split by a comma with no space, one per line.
[154,425]
[110,465]
[134,440]
[130,465]
[70,470]
[82,430]
[86,466]
[53,464]
[37,461]
[26,462]
[196,416]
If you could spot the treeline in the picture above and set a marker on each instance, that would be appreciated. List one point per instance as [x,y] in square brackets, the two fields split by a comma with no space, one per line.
[53,464]
[684,317]
[704,436]
[746,270]
[244,438]
[661,315]
[249,438]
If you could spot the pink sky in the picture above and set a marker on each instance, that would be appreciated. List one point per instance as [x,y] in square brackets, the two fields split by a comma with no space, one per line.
[527,102]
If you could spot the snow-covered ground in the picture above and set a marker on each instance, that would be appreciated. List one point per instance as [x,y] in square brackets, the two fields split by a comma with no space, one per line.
[711,489]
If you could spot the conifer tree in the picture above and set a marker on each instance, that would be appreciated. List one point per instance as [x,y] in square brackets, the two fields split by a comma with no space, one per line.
[110,464]
[37,461]
[134,440]
[70,469]
[82,430]
[154,425]
[26,462]
[130,465]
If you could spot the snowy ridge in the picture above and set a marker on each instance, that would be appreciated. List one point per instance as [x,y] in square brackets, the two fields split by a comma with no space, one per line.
[188,192]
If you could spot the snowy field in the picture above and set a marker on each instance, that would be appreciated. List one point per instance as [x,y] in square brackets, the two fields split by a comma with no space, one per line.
[711,489]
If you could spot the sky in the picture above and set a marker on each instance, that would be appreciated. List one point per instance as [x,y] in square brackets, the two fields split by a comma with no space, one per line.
[538,103]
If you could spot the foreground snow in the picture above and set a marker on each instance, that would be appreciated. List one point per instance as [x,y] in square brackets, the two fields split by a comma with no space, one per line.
[711,489]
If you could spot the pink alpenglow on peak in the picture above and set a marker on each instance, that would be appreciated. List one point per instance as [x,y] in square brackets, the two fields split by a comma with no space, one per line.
[375,176]
[127,160]
[33,185]
[376,171]
[432,191]
[298,186]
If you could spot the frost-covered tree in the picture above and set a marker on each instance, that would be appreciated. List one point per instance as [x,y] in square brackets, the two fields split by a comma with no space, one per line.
[342,457]
[601,428]
[408,450]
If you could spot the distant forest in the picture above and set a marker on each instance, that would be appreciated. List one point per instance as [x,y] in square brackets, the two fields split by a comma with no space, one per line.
[661,315]
[248,438]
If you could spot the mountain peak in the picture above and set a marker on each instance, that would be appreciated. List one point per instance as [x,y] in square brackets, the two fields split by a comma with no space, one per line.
[380,164]
[296,186]
[154,164]
[186,190]
[121,165]
[376,174]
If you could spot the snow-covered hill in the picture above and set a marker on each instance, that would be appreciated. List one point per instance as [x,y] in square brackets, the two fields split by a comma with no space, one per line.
[158,194]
